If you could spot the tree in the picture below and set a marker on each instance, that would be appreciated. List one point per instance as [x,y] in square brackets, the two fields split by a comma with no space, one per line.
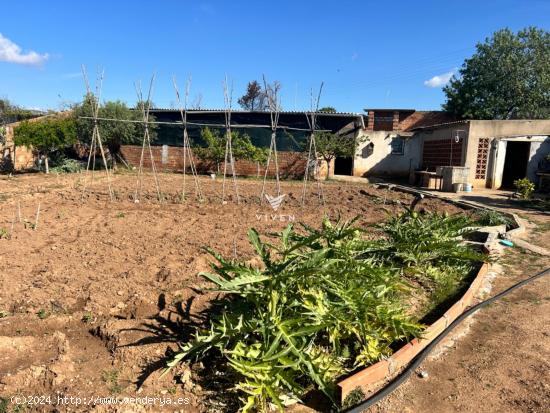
[327,109]
[507,78]
[253,98]
[214,151]
[113,134]
[46,136]
[256,97]
[12,113]
[332,145]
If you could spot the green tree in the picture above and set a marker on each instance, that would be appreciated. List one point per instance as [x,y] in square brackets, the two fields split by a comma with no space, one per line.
[12,113]
[46,136]
[214,149]
[328,109]
[508,77]
[332,145]
[113,134]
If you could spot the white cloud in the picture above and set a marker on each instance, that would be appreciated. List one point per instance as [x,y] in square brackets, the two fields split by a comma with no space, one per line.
[12,53]
[440,80]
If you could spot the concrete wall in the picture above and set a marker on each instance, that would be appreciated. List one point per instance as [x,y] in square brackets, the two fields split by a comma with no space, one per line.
[381,161]
[500,132]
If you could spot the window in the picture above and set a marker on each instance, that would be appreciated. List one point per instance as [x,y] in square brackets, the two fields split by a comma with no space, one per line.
[397,146]
[367,150]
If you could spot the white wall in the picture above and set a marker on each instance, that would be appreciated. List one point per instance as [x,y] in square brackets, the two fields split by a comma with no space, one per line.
[382,161]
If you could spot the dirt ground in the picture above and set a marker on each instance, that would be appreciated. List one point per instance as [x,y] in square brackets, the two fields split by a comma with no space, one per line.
[96,295]
[502,363]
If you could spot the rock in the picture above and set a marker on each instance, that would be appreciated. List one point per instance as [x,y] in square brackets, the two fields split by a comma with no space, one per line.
[423,374]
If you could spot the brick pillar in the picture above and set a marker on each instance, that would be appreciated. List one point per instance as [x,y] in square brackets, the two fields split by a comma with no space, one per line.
[395,124]
[370,120]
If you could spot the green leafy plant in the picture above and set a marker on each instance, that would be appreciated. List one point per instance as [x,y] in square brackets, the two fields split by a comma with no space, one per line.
[489,217]
[324,302]
[46,136]
[4,233]
[214,151]
[67,165]
[42,314]
[524,188]
[87,317]
[112,379]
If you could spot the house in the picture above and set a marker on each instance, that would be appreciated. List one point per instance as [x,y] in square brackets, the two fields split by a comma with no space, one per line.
[496,152]
[388,146]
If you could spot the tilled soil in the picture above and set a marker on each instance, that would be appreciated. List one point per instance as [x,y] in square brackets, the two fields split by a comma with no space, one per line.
[96,295]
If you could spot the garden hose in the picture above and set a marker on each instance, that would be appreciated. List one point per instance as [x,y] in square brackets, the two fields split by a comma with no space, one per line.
[401,378]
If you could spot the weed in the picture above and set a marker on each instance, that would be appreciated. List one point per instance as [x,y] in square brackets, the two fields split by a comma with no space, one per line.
[355,397]
[489,217]
[4,314]
[67,165]
[42,314]
[29,224]
[524,188]
[4,233]
[111,378]
[120,215]
[87,317]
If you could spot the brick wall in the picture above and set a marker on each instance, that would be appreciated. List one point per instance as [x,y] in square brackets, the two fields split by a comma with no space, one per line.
[441,152]
[291,164]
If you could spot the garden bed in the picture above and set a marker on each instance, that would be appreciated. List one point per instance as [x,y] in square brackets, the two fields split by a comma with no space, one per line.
[118,281]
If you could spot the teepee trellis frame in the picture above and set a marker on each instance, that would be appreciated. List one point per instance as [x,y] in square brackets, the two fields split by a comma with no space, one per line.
[228,99]
[312,149]
[96,143]
[187,151]
[145,106]
[274,111]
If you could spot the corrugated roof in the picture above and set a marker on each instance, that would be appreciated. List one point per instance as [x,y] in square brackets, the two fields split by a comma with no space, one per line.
[289,112]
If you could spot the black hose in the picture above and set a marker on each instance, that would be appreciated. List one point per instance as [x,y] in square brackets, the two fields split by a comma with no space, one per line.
[402,377]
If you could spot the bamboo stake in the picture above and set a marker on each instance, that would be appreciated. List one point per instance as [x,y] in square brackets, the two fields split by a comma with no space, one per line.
[36,218]
[145,109]
[187,151]
[96,138]
[313,148]
[274,111]
[228,98]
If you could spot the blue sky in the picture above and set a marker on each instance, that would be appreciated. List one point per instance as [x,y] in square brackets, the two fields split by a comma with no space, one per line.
[368,53]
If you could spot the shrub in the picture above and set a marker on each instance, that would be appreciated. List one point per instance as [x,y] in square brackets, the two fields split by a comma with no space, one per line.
[67,165]
[489,217]
[524,188]
[322,303]
[214,151]
[46,136]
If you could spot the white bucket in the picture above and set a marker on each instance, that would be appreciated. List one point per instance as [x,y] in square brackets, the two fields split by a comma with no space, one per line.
[467,188]
[457,187]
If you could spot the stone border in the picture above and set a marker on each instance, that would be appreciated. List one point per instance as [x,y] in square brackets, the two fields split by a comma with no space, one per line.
[385,369]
